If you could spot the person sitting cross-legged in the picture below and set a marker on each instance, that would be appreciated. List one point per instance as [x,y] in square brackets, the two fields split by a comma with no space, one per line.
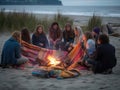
[11,53]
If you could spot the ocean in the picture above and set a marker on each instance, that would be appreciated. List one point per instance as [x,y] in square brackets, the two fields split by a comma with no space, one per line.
[104,11]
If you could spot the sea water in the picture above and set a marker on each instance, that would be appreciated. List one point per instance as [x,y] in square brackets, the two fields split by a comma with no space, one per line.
[105,11]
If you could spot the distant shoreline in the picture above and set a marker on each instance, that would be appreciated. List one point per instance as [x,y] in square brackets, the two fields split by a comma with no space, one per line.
[78,19]
[82,20]
[61,12]
[102,11]
[30,2]
[35,4]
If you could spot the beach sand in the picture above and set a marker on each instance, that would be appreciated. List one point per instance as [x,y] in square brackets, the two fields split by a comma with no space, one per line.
[82,20]
[14,79]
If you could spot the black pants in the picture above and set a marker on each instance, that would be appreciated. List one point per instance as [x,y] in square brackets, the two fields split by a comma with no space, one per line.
[98,67]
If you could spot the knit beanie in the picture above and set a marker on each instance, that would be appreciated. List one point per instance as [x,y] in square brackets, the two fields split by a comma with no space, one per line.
[96,30]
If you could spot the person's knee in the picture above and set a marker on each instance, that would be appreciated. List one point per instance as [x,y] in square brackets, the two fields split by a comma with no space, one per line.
[22,60]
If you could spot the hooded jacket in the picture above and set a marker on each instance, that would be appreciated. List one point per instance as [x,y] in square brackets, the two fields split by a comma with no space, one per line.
[11,52]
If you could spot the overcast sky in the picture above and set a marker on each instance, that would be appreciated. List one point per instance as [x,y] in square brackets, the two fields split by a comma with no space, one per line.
[91,2]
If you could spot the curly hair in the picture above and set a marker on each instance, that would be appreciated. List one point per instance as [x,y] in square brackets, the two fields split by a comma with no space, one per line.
[103,39]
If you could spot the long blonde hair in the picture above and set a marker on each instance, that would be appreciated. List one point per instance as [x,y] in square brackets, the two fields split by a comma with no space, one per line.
[78,34]
[16,35]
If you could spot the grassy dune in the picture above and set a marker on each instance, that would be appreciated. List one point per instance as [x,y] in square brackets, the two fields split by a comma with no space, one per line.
[10,21]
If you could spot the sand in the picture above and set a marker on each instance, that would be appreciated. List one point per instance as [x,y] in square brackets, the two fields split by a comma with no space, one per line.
[16,79]
[81,20]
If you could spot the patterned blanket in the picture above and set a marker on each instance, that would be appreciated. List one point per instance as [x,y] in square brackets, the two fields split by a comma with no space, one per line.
[75,56]
[33,52]
[77,53]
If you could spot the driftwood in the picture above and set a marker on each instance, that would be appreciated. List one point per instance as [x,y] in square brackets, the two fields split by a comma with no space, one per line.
[115,34]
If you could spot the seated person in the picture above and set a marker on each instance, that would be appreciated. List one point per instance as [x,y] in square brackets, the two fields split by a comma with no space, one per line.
[88,47]
[68,37]
[96,32]
[78,34]
[55,36]
[11,53]
[39,37]
[25,35]
[105,56]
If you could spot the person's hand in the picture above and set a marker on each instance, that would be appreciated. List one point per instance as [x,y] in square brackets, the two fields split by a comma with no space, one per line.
[51,40]
[67,43]
[57,39]
[41,44]
[71,44]
[54,42]
[70,48]
[23,48]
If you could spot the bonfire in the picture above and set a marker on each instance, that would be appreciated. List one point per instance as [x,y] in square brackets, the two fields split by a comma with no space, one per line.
[53,61]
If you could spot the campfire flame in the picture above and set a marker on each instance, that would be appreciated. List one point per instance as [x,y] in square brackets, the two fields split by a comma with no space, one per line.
[53,61]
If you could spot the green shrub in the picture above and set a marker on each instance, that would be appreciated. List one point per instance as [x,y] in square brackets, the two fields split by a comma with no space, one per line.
[94,21]
[2,19]
[62,20]
[10,21]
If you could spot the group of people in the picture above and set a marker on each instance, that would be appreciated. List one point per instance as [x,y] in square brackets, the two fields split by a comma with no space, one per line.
[99,54]
[56,38]
[12,55]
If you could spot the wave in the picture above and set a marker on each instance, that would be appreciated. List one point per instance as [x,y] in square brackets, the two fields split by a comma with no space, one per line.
[70,13]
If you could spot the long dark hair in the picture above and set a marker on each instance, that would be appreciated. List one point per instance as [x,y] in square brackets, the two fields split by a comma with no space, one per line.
[25,35]
[68,25]
[58,32]
[69,33]
[36,30]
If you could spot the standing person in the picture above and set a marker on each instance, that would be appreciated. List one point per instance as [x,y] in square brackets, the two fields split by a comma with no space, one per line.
[25,35]
[11,53]
[39,38]
[105,57]
[55,36]
[68,36]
